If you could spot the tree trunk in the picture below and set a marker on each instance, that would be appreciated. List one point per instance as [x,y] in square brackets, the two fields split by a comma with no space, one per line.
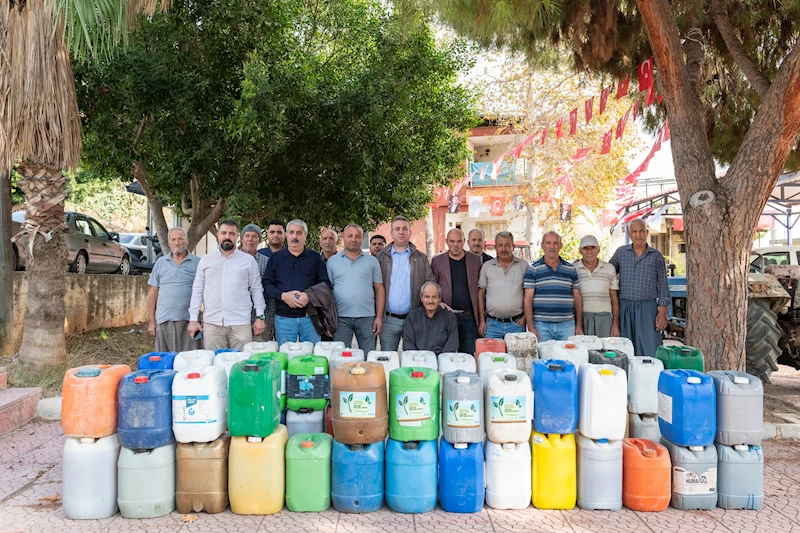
[6,265]
[43,341]
[156,207]
[429,244]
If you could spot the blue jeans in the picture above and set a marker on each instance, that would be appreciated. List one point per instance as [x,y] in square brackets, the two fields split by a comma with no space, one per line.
[392,333]
[467,334]
[361,327]
[497,330]
[289,329]
[554,331]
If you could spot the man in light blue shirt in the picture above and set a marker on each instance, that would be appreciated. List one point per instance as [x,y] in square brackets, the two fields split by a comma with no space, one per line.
[357,290]
[404,269]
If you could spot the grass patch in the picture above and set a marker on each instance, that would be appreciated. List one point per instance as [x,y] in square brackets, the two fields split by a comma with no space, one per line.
[120,346]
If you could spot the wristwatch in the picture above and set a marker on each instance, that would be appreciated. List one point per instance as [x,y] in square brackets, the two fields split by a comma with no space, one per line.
[262,317]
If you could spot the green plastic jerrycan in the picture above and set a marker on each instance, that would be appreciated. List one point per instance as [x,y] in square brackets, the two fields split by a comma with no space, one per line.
[308,472]
[413,404]
[283,359]
[254,403]
[681,357]
[307,384]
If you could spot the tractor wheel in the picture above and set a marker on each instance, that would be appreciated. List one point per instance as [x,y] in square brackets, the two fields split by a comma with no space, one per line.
[763,336]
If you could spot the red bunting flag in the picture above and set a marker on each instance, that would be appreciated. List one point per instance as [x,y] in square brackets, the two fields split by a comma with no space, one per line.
[497,205]
[657,145]
[632,178]
[604,99]
[666,135]
[588,106]
[620,128]
[651,96]
[581,154]
[622,86]
[606,148]
[544,135]
[645,72]
[636,108]
[559,128]
[573,121]
[660,98]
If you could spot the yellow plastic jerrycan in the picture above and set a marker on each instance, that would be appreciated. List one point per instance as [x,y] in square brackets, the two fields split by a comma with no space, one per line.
[553,471]
[257,472]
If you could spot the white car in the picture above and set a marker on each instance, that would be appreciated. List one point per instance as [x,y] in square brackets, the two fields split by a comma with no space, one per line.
[136,241]
[774,255]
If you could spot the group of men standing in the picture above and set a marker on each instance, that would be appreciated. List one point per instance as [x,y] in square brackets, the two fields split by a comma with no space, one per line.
[292,293]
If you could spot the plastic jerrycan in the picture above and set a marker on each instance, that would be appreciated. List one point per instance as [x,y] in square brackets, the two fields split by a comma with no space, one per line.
[145,409]
[419,359]
[226,360]
[643,375]
[681,357]
[492,361]
[340,356]
[508,402]
[694,476]
[89,478]
[260,347]
[223,350]
[305,421]
[603,402]
[523,346]
[359,411]
[157,360]
[592,342]
[740,476]
[324,348]
[599,473]
[254,398]
[257,473]
[297,349]
[193,359]
[462,408]
[454,361]
[411,476]
[89,400]
[555,396]
[489,345]
[146,482]
[357,477]
[740,408]
[461,477]
[609,357]
[283,360]
[308,472]
[508,475]
[546,349]
[553,471]
[202,476]
[687,410]
[623,344]
[199,404]
[413,405]
[389,360]
[307,383]
[570,351]
[644,426]
[646,475]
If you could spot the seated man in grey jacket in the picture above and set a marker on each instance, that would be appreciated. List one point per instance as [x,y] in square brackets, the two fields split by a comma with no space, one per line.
[431,327]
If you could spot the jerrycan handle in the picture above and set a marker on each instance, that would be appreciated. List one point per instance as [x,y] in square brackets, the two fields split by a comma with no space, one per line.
[644,449]
[685,351]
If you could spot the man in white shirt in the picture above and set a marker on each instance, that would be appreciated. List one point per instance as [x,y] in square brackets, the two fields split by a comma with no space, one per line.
[599,288]
[228,285]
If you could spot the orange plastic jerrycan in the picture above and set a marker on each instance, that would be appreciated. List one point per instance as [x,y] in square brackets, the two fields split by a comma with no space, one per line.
[489,345]
[89,400]
[646,475]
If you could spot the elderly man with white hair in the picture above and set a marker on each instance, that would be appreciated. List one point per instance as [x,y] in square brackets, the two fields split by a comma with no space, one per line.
[430,326]
[643,290]
[170,294]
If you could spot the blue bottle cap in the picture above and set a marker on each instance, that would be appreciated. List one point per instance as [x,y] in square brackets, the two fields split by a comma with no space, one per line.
[88,373]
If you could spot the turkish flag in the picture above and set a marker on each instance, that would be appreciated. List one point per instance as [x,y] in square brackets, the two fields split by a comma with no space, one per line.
[587,106]
[645,71]
[604,99]
[622,86]
[497,205]
[651,96]
[607,141]
[580,154]
[573,121]
[559,129]
[609,218]
[620,127]
[544,135]
[636,108]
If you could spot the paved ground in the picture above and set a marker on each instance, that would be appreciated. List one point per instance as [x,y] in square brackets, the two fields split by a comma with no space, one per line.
[30,469]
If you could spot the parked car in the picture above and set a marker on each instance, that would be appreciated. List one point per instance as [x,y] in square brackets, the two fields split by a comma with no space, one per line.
[774,255]
[90,248]
[134,241]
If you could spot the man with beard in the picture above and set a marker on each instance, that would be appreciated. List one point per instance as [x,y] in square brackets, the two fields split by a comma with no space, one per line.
[500,293]
[228,285]
[170,294]
[290,273]
[251,238]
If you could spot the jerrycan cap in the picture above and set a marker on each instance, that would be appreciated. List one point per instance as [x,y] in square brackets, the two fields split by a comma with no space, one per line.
[510,377]
[88,373]
[357,447]
[459,358]
[410,445]
[155,358]
[647,361]
[193,375]
[555,367]
[741,447]
[570,345]
[462,379]
[305,410]
[461,446]
[382,358]
[255,439]
[140,379]
[417,374]
[606,372]
[347,354]
[683,350]
[87,440]
[741,380]
[499,358]
[602,441]
[648,452]
[250,367]
[694,380]
[358,371]
[609,354]
[696,448]
[509,446]
[307,444]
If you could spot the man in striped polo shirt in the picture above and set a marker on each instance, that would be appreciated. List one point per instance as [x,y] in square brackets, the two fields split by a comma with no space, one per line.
[553,305]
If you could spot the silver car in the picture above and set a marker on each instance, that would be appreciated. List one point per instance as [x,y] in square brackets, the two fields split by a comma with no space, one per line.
[90,248]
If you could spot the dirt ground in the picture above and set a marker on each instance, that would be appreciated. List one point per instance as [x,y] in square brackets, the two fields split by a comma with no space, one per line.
[782,396]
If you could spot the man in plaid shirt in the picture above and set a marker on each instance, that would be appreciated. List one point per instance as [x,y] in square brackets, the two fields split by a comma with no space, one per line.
[643,290]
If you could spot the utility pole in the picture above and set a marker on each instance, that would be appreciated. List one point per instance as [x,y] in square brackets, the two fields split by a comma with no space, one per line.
[6,265]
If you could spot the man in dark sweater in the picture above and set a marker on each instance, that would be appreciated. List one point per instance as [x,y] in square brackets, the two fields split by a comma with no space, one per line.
[431,327]
[291,271]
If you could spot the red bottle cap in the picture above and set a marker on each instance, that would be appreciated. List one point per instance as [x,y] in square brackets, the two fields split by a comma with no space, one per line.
[155,358]
[140,379]
[307,444]
[347,354]
[193,375]
[417,374]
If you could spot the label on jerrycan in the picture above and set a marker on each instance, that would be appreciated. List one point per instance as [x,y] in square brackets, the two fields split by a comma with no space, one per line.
[688,482]
[508,409]
[356,404]
[463,414]
[192,410]
[413,408]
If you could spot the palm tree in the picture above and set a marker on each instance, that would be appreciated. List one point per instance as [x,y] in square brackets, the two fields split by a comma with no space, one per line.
[40,133]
